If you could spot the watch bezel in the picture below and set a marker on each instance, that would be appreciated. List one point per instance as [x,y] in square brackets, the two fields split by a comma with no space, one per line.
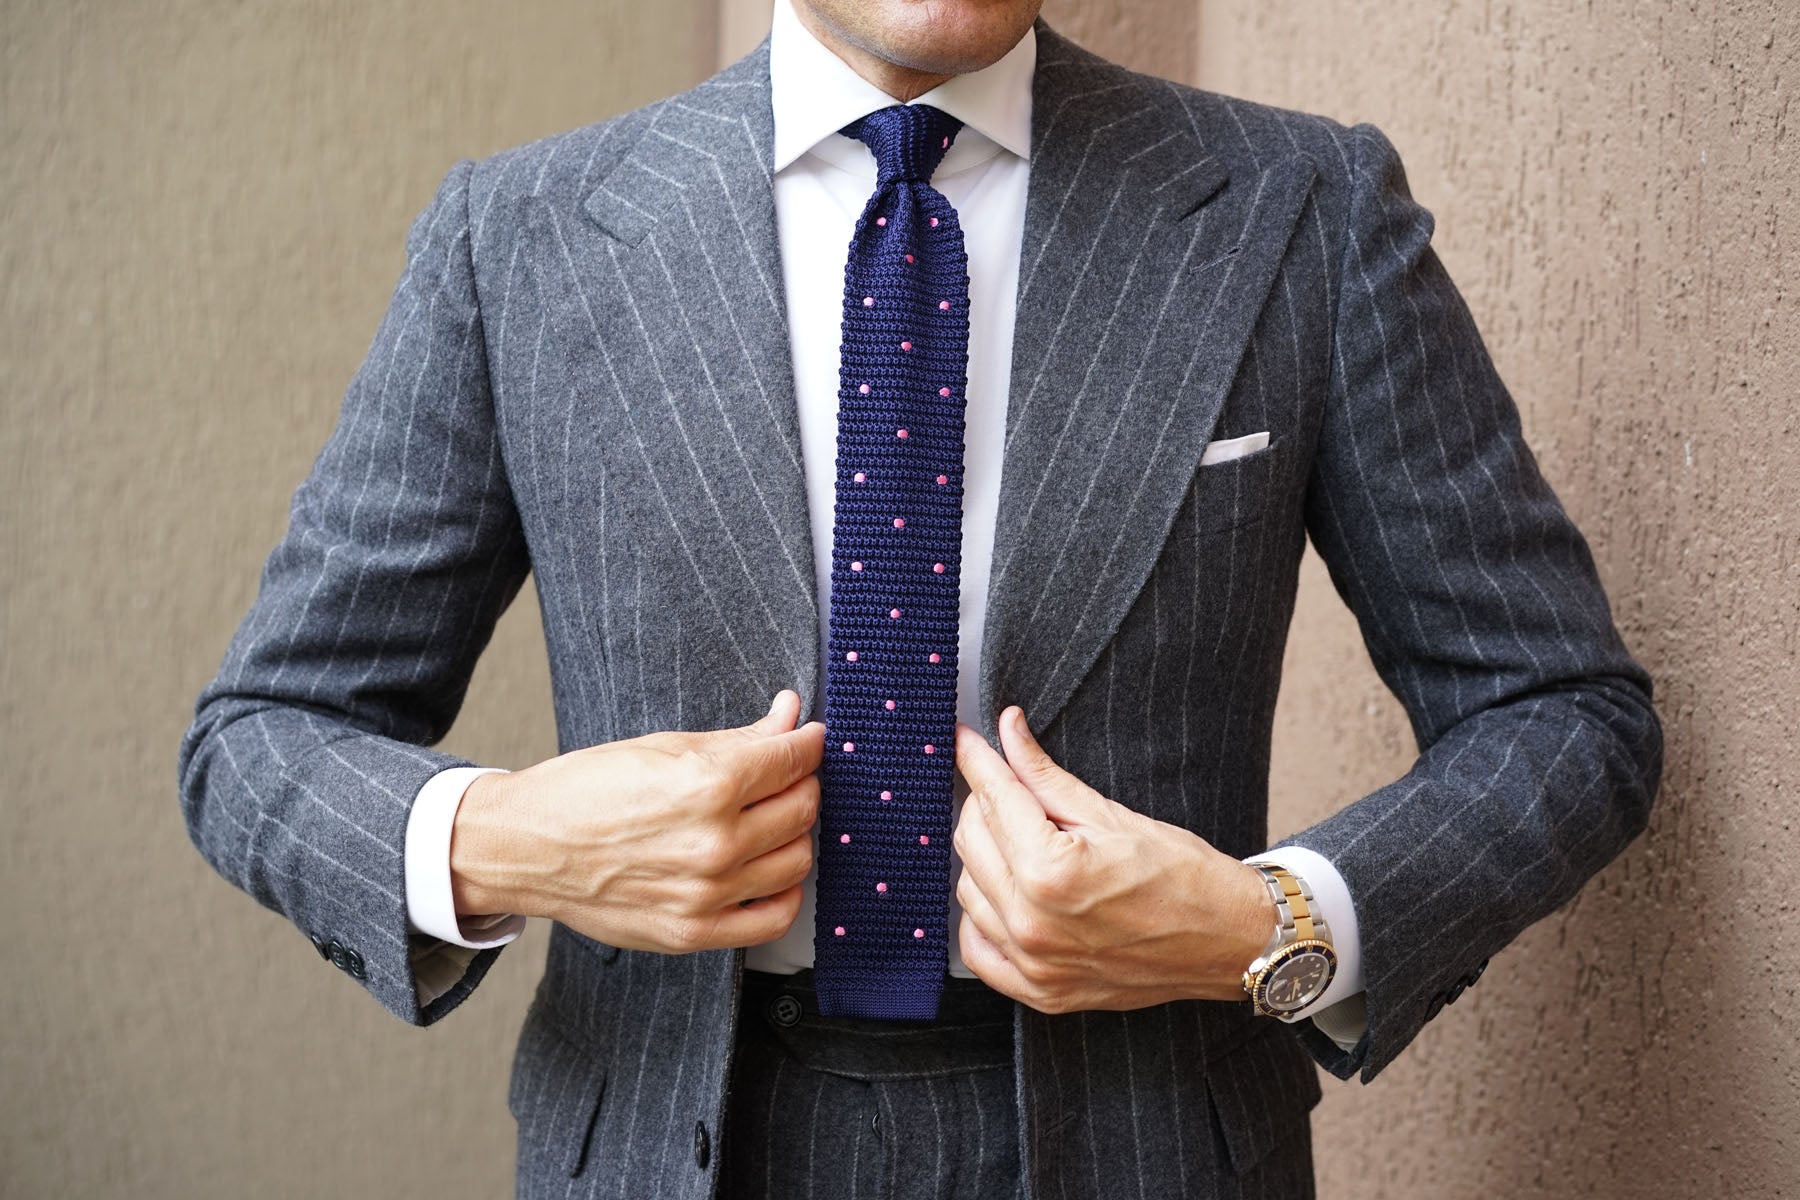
[1264,968]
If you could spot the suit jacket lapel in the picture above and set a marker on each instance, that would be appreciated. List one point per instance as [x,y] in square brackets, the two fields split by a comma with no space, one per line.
[672,281]
[1144,265]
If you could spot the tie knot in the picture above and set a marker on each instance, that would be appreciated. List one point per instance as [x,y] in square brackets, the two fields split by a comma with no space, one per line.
[909,140]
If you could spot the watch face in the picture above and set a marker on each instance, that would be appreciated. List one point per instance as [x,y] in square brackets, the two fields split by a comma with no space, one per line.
[1298,981]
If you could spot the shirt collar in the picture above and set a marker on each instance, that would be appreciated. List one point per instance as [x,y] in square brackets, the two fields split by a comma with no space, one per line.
[814,93]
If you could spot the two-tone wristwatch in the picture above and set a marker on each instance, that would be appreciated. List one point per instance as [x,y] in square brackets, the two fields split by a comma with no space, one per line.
[1296,967]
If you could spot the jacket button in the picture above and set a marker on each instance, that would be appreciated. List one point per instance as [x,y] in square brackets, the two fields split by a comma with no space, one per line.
[1476,973]
[1437,1006]
[875,1123]
[354,965]
[784,1011]
[335,950]
[702,1144]
[1451,996]
[319,945]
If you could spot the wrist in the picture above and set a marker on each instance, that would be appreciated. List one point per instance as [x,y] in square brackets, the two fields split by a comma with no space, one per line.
[481,839]
[1230,925]
[1254,922]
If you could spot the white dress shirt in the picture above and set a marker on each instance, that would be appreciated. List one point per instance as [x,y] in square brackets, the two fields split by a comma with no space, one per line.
[822,180]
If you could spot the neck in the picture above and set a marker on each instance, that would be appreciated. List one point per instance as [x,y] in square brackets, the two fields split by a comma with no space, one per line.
[902,83]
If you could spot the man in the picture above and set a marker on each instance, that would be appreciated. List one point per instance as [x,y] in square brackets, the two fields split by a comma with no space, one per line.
[635,360]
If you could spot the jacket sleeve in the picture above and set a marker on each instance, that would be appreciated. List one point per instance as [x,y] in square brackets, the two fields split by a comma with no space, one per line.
[402,549]
[1482,611]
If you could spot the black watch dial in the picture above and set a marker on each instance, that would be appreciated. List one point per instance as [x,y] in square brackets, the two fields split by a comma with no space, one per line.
[1298,981]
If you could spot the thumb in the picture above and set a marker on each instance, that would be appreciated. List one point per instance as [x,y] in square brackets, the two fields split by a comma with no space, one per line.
[784,710]
[1065,798]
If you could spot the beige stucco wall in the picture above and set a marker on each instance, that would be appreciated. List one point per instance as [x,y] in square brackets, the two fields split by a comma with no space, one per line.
[204,209]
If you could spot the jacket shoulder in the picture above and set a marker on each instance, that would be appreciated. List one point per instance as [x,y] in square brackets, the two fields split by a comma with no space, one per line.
[1247,136]
[559,167]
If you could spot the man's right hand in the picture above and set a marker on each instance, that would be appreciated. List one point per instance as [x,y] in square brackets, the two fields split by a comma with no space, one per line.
[652,843]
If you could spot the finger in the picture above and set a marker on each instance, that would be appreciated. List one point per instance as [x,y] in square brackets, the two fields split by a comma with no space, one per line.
[1065,799]
[982,855]
[980,764]
[780,818]
[981,911]
[990,966]
[761,920]
[764,766]
[767,874]
[784,710]
[1014,814]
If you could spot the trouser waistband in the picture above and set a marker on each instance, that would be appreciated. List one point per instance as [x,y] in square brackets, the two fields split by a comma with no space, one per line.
[972,1032]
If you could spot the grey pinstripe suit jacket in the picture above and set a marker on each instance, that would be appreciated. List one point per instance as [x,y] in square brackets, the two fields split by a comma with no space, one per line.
[585,373]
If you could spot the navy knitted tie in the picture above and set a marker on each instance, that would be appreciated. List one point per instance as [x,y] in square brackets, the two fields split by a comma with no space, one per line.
[880,938]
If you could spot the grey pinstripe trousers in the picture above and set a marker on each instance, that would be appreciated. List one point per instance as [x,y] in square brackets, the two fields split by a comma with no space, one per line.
[831,1107]
[827,1108]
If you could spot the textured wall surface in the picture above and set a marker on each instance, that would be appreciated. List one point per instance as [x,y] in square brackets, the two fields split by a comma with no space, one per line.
[205,208]
[1617,187]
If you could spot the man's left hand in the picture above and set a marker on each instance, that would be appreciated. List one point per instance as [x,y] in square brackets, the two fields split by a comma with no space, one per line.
[1072,901]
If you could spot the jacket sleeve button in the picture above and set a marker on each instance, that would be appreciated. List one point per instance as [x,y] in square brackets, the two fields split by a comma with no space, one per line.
[355,965]
[702,1145]
[319,945]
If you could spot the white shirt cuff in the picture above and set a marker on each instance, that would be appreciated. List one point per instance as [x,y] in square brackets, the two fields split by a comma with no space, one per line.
[1340,1014]
[430,901]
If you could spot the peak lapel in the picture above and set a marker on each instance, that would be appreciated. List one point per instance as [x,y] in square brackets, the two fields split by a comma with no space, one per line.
[1144,265]
[667,287]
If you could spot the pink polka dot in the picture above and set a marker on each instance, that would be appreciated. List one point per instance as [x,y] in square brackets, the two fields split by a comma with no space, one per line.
[909,258]
[849,747]
[850,656]
[899,433]
[859,477]
[934,658]
[930,749]
[943,479]
[946,143]
[869,302]
[881,220]
[906,345]
[924,840]
[899,522]
[938,568]
[840,931]
[887,795]
[934,222]
[943,391]
[894,613]
[881,887]
[943,305]
[918,933]
[856,566]
[864,389]
[844,838]
[890,706]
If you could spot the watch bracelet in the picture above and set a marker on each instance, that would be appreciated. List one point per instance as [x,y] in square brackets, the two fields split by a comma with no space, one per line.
[1288,924]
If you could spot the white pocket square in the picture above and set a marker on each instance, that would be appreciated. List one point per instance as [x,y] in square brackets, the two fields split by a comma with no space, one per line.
[1230,448]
